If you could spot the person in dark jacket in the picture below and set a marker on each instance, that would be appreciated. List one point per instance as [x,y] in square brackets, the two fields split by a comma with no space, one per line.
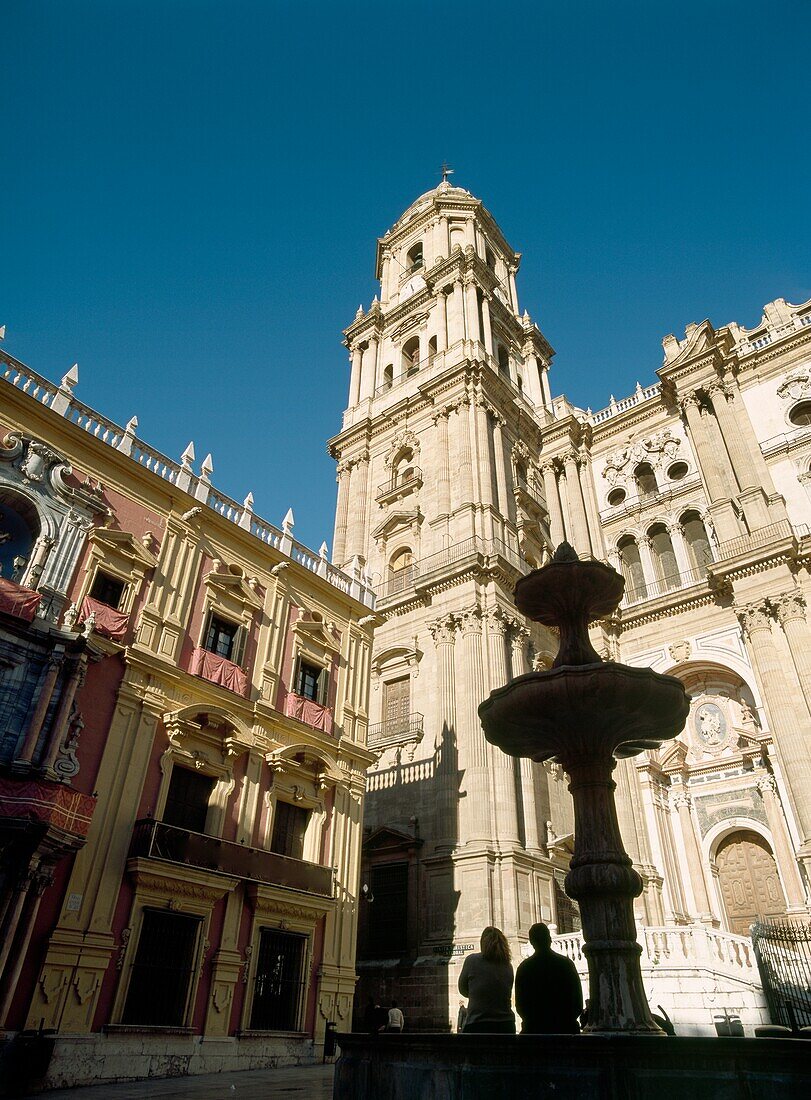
[548,994]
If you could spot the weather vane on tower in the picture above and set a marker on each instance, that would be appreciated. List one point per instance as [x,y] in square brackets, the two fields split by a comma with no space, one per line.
[446,171]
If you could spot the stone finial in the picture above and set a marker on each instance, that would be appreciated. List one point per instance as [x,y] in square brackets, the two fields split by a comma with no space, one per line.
[247,503]
[132,424]
[359,313]
[289,522]
[565,552]
[207,468]
[324,551]
[70,379]
[188,455]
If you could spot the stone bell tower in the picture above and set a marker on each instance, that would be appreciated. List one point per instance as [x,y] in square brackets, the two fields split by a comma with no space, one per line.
[441,503]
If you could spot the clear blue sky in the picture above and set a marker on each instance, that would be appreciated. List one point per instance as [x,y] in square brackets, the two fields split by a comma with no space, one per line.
[191,193]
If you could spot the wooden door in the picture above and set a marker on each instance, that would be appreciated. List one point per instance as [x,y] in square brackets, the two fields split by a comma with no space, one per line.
[750,884]
[396,704]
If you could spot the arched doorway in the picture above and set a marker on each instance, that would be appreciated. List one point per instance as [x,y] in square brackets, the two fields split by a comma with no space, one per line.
[750,885]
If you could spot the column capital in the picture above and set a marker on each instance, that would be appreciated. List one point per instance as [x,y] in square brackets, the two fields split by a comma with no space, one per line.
[443,630]
[718,389]
[682,801]
[570,457]
[689,401]
[789,606]
[470,621]
[498,621]
[646,541]
[547,466]
[754,617]
[441,414]
[766,785]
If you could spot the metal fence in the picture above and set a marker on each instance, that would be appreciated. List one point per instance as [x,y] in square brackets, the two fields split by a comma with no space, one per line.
[783,953]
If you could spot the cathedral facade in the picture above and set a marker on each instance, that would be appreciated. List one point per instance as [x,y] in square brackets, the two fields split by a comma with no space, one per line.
[457,472]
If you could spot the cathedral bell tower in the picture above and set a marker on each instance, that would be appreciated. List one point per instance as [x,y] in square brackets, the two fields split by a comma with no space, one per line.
[441,502]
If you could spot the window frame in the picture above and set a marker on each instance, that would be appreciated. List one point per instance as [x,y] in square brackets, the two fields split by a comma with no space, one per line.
[238,638]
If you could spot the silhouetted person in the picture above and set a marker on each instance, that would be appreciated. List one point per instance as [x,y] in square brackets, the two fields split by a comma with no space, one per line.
[548,994]
[376,1017]
[487,981]
[395,1018]
[461,1016]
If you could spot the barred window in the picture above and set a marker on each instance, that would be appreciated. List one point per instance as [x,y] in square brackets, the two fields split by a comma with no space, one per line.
[388,914]
[162,972]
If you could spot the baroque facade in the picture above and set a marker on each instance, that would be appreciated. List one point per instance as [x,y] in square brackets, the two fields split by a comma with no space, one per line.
[457,472]
[183,693]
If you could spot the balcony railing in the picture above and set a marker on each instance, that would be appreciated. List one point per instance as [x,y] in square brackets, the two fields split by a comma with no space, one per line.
[755,540]
[156,840]
[408,480]
[396,730]
[405,580]
[663,586]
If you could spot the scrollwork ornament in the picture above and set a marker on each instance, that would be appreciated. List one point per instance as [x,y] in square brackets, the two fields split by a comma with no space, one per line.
[443,631]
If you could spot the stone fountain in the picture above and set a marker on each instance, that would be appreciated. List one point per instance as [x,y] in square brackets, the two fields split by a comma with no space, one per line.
[584,713]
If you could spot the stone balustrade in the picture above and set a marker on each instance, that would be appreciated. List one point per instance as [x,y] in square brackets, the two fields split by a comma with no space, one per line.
[62,400]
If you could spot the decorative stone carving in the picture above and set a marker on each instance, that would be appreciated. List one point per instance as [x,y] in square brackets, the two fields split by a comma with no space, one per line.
[443,630]
[680,651]
[796,385]
[754,617]
[789,606]
[655,449]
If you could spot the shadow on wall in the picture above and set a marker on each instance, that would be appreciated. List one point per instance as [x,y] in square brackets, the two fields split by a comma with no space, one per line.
[408,902]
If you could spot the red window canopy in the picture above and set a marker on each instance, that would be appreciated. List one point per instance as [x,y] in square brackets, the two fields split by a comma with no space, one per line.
[18,601]
[219,670]
[313,714]
[109,622]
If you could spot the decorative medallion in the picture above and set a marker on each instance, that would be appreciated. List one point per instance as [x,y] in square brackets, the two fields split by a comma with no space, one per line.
[710,725]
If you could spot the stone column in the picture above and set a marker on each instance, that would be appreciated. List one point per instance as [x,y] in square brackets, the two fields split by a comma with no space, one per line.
[592,511]
[443,481]
[463,480]
[59,731]
[360,475]
[519,639]
[47,681]
[41,881]
[506,501]
[484,465]
[547,393]
[456,320]
[23,878]
[754,479]
[791,614]
[718,486]
[550,485]
[487,325]
[652,582]
[368,372]
[344,478]
[354,378]
[475,806]
[676,532]
[783,851]
[503,766]
[472,304]
[790,730]
[577,511]
[443,631]
[513,291]
[441,321]
[683,803]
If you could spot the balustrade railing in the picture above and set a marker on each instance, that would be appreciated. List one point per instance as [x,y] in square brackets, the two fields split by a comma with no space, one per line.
[404,580]
[408,727]
[407,480]
[156,840]
[755,540]
[652,589]
[62,400]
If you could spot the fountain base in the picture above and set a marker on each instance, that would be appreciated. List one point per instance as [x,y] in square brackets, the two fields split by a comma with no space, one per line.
[569,1067]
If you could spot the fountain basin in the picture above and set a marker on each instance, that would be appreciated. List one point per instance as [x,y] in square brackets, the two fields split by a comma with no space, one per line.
[577,712]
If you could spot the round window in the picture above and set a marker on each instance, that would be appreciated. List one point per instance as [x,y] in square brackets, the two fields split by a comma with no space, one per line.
[801,414]
[677,471]
[615,497]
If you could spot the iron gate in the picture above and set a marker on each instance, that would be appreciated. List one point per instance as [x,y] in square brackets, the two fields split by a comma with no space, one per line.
[783,953]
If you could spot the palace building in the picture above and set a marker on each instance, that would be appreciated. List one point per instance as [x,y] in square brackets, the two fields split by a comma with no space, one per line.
[183,694]
[457,472]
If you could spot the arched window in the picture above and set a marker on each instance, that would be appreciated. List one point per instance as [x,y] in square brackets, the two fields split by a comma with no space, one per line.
[800,415]
[388,376]
[401,571]
[503,360]
[414,258]
[645,480]
[631,564]
[664,558]
[489,258]
[19,529]
[403,467]
[698,543]
[411,356]
[431,350]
